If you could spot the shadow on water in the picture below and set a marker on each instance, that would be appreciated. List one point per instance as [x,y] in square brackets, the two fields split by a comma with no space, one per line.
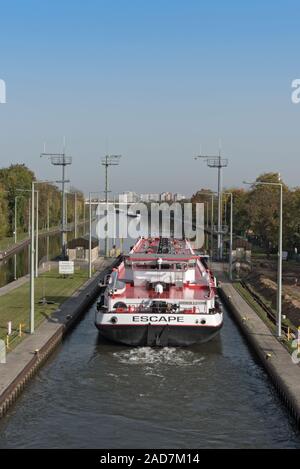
[213,347]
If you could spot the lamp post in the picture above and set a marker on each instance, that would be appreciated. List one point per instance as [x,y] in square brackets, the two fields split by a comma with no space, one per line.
[15,236]
[279,263]
[32,263]
[231,233]
[37,227]
[84,216]
[37,236]
[15,232]
[48,227]
[15,239]
[212,195]
[66,209]
[29,216]
[31,319]
[90,232]
[32,253]
[108,160]
[48,216]
[90,236]
[29,225]
[75,214]
[16,217]
[212,227]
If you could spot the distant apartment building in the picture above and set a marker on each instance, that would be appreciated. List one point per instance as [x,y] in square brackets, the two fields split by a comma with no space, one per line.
[166,197]
[179,197]
[163,197]
[129,197]
[153,197]
[145,197]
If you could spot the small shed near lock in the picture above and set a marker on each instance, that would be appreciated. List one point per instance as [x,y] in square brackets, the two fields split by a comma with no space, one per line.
[78,249]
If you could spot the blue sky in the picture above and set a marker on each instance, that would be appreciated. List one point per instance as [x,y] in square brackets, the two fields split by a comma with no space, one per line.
[155,81]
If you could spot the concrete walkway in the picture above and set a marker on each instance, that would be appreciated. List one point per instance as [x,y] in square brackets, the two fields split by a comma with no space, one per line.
[275,358]
[23,360]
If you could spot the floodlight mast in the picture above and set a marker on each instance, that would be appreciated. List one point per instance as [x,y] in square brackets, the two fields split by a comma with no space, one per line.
[60,159]
[108,160]
[219,163]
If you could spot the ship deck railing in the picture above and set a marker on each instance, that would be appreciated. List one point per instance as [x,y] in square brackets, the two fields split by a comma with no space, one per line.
[138,309]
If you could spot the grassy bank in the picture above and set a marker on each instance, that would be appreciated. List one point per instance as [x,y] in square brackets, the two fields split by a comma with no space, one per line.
[263,315]
[14,306]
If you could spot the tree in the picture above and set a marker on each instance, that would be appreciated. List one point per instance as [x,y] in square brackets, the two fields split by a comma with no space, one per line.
[15,177]
[291,231]
[256,212]
[203,196]
[263,209]
[20,177]
[3,212]
[240,210]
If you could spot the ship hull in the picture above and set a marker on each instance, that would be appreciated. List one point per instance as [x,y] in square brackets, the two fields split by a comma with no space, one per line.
[157,335]
[161,294]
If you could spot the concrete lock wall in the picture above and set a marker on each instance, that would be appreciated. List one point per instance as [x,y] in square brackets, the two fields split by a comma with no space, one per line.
[275,359]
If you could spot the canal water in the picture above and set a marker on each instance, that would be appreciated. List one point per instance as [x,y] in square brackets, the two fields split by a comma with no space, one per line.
[94,394]
[17,265]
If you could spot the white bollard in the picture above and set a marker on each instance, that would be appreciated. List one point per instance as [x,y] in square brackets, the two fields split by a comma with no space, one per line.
[9,328]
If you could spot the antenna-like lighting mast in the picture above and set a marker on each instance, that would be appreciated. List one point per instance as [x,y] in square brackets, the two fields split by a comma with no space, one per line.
[219,163]
[60,159]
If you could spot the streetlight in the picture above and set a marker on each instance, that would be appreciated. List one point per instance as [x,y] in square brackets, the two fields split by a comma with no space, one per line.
[279,265]
[90,232]
[90,236]
[219,163]
[212,194]
[48,227]
[15,235]
[15,221]
[108,160]
[32,252]
[75,214]
[48,215]
[37,236]
[29,219]
[15,238]
[84,215]
[231,233]
[37,228]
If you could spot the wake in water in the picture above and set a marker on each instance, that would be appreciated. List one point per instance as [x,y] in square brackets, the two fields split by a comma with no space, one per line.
[170,356]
